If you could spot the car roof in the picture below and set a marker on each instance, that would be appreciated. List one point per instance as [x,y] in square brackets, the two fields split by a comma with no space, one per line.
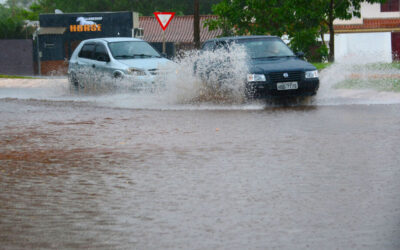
[114,39]
[235,38]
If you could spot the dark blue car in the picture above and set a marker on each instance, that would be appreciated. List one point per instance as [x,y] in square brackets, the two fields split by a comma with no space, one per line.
[274,70]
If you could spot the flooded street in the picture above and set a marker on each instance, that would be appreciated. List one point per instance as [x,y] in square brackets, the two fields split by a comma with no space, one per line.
[128,172]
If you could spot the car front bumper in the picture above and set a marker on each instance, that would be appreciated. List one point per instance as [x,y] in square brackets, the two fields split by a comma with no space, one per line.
[149,79]
[146,82]
[307,87]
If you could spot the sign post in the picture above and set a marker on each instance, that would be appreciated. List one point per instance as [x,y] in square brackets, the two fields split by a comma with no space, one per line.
[163,42]
[164,18]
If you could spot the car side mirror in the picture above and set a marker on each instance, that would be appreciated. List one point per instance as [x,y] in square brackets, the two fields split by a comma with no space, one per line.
[300,54]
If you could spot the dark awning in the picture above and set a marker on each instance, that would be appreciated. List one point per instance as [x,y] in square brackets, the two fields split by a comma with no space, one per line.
[51,30]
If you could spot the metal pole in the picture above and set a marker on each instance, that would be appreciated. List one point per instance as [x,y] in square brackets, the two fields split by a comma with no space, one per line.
[196,25]
[163,43]
[38,55]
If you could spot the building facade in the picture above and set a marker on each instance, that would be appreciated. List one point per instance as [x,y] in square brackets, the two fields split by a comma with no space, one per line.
[60,34]
[374,36]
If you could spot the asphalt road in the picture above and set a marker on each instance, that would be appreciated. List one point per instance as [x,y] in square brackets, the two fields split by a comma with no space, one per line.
[126,172]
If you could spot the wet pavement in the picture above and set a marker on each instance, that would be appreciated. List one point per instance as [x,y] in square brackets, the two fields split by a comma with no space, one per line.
[76,174]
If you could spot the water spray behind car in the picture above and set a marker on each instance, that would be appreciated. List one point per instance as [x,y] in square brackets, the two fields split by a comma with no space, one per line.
[359,78]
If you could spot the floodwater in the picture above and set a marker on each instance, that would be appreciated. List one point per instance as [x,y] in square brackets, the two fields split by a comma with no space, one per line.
[133,171]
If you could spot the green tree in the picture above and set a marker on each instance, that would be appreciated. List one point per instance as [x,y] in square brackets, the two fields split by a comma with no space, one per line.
[18,3]
[12,22]
[302,20]
[146,8]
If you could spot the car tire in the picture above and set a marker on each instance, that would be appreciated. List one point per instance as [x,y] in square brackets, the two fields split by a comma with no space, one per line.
[74,84]
[117,75]
[308,100]
[249,92]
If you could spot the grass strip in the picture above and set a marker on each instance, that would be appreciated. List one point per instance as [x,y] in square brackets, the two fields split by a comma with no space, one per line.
[16,77]
[385,84]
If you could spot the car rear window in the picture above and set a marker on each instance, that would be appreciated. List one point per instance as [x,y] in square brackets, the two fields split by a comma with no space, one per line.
[87,51]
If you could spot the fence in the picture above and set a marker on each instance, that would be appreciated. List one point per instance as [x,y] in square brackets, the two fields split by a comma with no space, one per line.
[16,57]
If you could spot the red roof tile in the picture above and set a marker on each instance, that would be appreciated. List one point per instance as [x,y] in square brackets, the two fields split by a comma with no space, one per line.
[180,29]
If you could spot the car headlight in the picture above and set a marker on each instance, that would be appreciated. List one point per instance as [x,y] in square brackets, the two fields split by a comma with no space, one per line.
[256,78]
[136,72]
[312,74]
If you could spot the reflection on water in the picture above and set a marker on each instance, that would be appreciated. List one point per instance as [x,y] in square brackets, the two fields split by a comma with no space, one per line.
[79,175]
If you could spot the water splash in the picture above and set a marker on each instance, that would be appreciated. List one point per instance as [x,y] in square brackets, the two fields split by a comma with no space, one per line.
[194,82]
[40,88]
[359,80]
[210,76]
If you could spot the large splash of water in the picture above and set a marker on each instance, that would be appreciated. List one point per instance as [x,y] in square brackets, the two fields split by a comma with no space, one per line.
[215,80]
[209,76]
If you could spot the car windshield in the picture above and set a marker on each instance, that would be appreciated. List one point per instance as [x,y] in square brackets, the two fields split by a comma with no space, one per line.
[132,49]
[265,48]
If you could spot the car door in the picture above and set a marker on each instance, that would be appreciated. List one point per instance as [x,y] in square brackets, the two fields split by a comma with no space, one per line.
[102,64]
[85,61]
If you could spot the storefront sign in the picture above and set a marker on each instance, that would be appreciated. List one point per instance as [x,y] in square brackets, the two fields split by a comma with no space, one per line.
[86,24]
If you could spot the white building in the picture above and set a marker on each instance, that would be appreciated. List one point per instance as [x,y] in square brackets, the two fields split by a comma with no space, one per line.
[376,35]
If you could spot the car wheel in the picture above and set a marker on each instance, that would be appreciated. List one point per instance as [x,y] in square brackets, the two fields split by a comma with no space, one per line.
[249,92]
[74,84]
[118,75]
[116,80]
[307,100]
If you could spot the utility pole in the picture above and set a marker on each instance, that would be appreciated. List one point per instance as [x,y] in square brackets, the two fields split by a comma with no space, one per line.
[196,25]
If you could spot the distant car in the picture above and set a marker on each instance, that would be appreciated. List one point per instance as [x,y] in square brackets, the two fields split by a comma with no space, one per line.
[115,58]
[274,70]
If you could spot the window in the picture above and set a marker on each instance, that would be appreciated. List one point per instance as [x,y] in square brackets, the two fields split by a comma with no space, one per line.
[132,49]
[49,45]
[265,47]
[390,5]
[87,51]
[100,53]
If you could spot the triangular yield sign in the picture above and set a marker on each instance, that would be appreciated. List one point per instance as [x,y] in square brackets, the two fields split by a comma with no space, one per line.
[164,18]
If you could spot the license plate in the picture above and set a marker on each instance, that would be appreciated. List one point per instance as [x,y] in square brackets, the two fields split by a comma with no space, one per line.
[287,85]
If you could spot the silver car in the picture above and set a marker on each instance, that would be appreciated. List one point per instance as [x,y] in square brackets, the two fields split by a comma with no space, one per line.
[103,59]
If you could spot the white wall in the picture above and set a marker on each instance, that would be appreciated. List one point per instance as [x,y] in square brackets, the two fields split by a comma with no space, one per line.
[368,47]
[369,11]
[374,11]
